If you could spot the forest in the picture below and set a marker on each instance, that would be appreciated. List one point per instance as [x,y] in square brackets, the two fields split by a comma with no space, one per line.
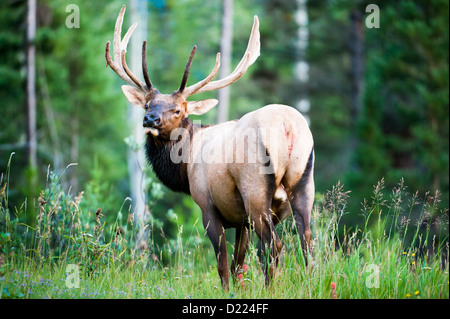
[371,77]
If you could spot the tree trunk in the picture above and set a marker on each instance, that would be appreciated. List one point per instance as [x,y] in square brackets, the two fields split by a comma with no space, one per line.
[136,158]
[301,65]
[225,59]
[31,85]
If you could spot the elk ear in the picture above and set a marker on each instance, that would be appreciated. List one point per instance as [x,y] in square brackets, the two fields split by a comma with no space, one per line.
[133,95]
[200,107]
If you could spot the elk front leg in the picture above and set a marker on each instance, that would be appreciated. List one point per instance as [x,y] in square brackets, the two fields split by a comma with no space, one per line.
[241,245]
[216,233]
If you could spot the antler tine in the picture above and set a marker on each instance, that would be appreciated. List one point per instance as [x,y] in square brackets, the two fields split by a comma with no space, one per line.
[250,56]
[124,43]
[194,88]
[115,67]
[130,74]
[186,70]
[123,48]
[118,34]
[120,47]
[144,66]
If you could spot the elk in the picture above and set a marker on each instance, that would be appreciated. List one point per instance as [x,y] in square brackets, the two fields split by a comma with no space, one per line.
[247,174]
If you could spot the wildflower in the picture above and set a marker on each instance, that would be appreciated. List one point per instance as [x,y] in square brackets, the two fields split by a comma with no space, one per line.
[240,278]
[404,253]
[408,295]
[416,292]
[413,254]
[333,290]
[245,268]
[413,263]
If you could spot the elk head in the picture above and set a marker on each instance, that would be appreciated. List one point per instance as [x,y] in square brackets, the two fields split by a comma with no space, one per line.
[165,112]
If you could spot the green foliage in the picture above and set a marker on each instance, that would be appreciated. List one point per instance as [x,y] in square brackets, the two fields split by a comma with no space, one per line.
[403,130]
[88,250]
[12,16]
[329,89]
[12,84]
[79,114]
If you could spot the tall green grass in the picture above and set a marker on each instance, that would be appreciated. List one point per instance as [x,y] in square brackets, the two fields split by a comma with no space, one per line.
[400,250]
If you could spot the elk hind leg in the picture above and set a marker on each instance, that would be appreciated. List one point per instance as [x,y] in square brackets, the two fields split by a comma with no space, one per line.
[270,244]
[302,203]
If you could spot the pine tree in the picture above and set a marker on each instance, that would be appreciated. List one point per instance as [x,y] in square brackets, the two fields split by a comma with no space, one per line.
[404,128]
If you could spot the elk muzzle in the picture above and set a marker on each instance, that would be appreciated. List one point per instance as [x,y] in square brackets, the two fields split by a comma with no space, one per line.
[151,120]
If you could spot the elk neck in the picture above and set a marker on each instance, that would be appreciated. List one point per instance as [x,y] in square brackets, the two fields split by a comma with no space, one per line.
[173,175]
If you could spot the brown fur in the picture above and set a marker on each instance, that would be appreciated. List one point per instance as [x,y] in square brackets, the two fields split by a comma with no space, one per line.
[246,174]
[234,193]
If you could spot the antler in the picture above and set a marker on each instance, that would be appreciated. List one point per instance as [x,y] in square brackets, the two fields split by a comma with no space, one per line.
[250,56]
[186,70]
[144,65]
[119,64]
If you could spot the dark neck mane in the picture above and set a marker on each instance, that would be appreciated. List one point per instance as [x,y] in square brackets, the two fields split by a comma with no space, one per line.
[173,175]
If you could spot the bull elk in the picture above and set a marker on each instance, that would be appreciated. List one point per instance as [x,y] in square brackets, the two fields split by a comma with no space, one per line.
[246,174]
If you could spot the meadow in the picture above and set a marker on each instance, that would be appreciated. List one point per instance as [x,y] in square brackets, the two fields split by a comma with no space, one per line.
[70,251]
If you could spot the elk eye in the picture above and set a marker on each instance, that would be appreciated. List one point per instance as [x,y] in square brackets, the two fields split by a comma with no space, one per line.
[146,106]
[177,112]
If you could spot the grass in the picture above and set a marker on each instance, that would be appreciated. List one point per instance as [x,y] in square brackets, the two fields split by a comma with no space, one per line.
[399,251]
[397,276]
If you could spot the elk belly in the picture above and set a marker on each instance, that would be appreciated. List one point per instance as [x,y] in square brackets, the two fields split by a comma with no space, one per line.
[225,194]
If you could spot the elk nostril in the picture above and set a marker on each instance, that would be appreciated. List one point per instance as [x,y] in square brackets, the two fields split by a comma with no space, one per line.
[146,122]
[154,119]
